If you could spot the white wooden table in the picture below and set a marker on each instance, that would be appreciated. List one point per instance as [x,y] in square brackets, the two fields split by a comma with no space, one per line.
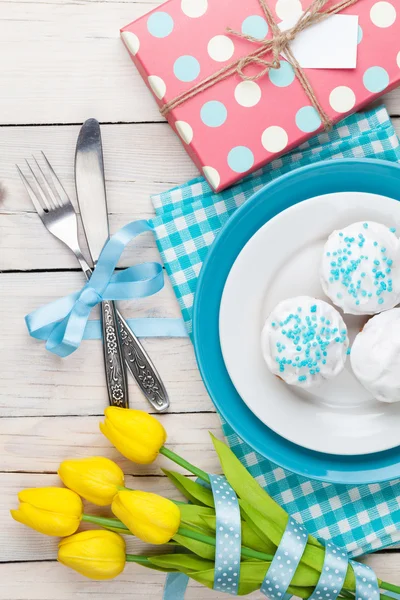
[61,61]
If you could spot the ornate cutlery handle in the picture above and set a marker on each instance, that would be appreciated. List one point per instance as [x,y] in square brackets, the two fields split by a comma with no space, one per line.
[113,357]
[141,367]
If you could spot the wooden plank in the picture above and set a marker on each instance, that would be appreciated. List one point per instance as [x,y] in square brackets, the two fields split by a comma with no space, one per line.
[64,62]
[36,382]
[39,444]
[140,160]
[38,581]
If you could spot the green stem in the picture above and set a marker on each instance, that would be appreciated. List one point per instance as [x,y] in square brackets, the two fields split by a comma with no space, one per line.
[390,587]
[141,560]
[184,463]
[104,522]
[207,539]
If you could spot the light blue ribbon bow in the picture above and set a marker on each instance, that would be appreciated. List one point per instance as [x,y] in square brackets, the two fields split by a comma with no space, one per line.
[62,322]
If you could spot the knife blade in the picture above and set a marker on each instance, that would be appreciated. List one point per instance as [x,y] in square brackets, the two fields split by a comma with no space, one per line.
[91,194]
[90,188]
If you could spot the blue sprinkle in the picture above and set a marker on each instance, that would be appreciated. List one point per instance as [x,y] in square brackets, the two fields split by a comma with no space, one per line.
[340,296]
[392,229]
[302,378]
[341,234]
[348,350]
[375,243]
[381,301]
[365,225]
[383,249]
[377,263]
[313,309]
[273,324]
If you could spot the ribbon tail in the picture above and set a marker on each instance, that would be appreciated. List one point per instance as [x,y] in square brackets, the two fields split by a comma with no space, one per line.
[67,335]
[41,322]
[175,586]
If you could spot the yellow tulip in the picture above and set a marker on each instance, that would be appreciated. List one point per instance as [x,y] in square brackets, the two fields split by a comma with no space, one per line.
[49,510]
[150,517]
[95,554]
[135,433]
[96,479]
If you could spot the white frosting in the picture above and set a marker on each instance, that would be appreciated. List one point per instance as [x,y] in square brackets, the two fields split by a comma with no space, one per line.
[304,341]
[360,270]
[375,356]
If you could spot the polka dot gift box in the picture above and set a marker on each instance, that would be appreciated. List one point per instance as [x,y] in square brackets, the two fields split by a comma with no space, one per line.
[237,125]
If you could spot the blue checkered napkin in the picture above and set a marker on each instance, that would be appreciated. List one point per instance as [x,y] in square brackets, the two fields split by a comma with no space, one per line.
[188,218]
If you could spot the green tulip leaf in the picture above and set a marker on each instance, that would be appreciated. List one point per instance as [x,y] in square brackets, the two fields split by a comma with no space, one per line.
[194,514]
[248,489]
[250,538]
[194,492]
[202,549]
[185,563]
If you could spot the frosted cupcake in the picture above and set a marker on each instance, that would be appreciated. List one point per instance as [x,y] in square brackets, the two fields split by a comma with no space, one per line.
[375,356]
[360,269]
[304,341]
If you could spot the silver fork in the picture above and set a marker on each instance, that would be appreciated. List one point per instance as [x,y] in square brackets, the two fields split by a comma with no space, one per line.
[58,215]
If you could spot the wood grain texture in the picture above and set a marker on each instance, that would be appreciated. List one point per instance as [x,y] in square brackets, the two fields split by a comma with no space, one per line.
[38,581]
[36,382]
[39,444]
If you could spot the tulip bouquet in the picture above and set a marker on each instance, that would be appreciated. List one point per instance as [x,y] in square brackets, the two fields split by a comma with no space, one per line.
[189,529]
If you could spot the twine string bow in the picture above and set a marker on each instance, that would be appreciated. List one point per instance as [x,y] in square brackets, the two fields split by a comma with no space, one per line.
[278,44]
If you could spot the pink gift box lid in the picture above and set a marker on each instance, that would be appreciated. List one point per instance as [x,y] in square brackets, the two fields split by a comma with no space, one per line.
[237,126]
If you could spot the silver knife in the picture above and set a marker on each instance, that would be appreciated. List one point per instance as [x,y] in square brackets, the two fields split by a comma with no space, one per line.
[91,193]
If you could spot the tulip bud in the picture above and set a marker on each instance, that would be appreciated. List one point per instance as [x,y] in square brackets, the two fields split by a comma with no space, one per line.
[150,517]
[135,433]
[96,554]
[49,510]
[96,479]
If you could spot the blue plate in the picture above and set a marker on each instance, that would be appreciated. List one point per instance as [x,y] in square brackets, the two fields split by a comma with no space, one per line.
[373,176]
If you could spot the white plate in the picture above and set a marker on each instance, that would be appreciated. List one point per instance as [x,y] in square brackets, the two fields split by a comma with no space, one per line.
[280,261]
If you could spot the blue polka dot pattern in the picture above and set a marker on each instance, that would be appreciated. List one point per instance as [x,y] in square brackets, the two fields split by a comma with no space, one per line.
[213,113]
[186,68]
[333,574]
[160,24]
[283,76]
[285,562]
[376,79]
[240,159]
[367,587]
[255,26]
[360,34]
[307,119]
[228,536]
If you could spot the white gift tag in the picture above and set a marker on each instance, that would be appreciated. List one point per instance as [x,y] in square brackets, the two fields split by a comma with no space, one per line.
[331,44]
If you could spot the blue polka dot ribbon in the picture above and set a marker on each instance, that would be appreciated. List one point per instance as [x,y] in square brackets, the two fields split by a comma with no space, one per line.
[62,323]
[333,574]
[285,562]
[367,587]
[228,536]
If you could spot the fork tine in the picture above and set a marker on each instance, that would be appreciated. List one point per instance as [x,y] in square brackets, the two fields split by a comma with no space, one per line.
[63,196]
[52,196]
[47,205]
[31,193]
